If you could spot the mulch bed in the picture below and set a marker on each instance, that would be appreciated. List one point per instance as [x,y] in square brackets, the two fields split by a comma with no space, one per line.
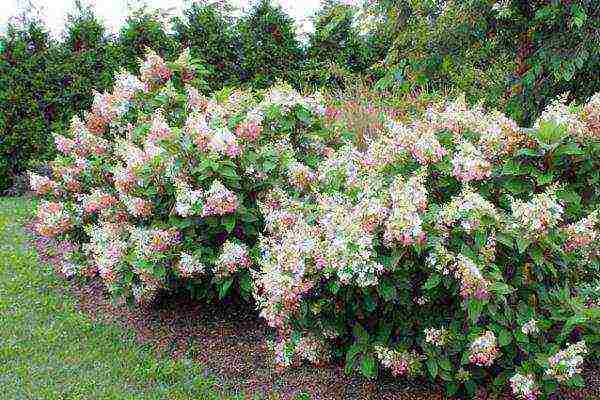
[231,344]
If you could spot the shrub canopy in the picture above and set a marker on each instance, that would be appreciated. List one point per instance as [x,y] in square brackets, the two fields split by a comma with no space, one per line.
[450,244]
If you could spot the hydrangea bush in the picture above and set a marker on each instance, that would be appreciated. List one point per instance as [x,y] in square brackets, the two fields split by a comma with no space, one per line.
[158,184]
[453,245]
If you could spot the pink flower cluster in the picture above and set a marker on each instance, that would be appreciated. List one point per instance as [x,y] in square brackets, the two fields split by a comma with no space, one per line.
[401,363]
[582,233]
[524,386]
[219,140]
[136,206]
[530,327]
[149,243]
[540,214]
[127,85]
[124,179]
[409,199]
[97,201]
[300,175]
[187,200]
[249,130]
[233,257]
[484,350]
[436,337]
[42,185]
[472,282]
[189,266]
[196,102]
[469,164]
[560,113]
[591,115]
[565,364]
[108,247]
[70,172]
[497,134]
[419,140]
[52,219]
[468,208]
[219,200]
[154,71]
[159,129]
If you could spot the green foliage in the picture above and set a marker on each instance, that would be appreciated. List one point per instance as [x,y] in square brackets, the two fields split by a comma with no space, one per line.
[558,52]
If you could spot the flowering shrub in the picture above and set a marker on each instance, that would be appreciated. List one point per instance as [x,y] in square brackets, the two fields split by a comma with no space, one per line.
[157,185]
[453,246]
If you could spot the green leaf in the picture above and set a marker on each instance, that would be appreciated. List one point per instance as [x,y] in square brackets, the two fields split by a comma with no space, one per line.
[352,353]
[334,287]
[368,367]
[550,386]
[501,288]
[228,172]
[527,152]
[433,281]
[505,240]
[504,337]
[577,381]
[432,367]
[369,302]
[537,255]
[570,149]
[228,222]
[452,388]
[246,283]
[224,288]
[550,133]
[474,308]
[445,364]
[360,333]
[386,289]
[522,244]
[544,179]
[572,322]
[303,115]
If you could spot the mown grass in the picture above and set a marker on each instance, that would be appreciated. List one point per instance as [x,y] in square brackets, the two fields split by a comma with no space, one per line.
[48,350]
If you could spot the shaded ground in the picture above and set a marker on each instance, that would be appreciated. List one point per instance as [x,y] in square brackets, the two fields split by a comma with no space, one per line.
[230,344]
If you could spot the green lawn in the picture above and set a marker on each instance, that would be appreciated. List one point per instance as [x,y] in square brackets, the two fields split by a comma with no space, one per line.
[48,350]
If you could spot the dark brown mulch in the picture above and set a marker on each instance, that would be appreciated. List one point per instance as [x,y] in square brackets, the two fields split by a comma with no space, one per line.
[231,344]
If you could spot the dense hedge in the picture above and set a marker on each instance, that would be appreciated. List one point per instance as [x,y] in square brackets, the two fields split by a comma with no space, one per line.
[451,244]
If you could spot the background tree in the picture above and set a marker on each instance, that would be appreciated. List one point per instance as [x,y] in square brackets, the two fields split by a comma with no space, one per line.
[209,31]
[337,39]
[511,53]
[26,96]
[271,50]
[145,29]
